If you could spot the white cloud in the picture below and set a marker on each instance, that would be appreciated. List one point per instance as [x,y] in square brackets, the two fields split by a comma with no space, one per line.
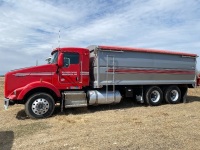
[29,29]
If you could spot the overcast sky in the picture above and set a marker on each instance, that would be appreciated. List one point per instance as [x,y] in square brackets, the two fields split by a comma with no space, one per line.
[29,29]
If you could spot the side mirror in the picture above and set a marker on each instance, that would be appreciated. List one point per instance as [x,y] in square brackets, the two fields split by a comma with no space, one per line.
[48,60]
[60,60]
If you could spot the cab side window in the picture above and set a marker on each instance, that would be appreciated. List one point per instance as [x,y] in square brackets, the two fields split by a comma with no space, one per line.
[70,58]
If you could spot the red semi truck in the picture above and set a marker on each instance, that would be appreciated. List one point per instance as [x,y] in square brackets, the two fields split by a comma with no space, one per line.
[78,77]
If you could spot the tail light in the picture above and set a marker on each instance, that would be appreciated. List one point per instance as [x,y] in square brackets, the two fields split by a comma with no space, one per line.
[198,80]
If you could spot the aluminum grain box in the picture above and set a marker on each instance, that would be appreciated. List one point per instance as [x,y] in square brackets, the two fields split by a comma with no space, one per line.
[136,66]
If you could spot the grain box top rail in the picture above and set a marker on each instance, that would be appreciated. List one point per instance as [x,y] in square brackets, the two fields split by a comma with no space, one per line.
[144,50]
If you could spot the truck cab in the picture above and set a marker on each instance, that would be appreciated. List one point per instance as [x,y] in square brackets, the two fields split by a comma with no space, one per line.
[72,70]
[40,87]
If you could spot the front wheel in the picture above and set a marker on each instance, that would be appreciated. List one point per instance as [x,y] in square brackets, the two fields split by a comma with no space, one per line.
[40,105]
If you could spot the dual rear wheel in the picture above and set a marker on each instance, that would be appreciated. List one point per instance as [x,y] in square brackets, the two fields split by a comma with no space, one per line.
[154,95]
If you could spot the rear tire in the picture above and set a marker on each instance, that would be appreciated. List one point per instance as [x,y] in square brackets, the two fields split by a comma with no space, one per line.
[40,105]
[173,95]
[154,96]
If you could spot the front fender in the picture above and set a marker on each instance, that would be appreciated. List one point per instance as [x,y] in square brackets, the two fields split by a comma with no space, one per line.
[38,84]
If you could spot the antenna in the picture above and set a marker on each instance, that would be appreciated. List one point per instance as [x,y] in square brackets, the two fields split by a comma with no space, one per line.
[59,38]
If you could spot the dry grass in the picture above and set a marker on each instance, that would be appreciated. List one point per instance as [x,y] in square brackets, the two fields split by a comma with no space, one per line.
[124,126]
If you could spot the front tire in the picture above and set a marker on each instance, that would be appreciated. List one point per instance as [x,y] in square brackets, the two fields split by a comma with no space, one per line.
[40,105]
[154,96]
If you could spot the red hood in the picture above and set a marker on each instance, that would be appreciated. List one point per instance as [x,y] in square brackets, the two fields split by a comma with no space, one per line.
[21,77]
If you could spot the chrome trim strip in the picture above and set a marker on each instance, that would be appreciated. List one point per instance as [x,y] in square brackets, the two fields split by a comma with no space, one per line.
[34,74]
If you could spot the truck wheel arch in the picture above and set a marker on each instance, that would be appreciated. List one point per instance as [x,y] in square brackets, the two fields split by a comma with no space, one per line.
[39,87]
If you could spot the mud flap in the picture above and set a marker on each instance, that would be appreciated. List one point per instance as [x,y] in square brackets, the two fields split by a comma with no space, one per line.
[184,91]
[6,103]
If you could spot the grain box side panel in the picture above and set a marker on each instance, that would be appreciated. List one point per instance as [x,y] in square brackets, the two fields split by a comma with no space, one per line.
[137,68]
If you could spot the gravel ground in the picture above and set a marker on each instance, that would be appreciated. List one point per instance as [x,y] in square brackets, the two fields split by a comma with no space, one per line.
[127,125]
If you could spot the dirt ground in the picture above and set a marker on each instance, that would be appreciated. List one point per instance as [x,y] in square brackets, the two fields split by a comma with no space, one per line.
[127,125]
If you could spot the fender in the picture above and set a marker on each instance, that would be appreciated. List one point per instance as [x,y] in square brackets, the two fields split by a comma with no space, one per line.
[38,84]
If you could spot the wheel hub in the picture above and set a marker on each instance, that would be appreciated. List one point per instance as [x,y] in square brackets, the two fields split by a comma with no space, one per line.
[174,95]
[155,96]
[40,106]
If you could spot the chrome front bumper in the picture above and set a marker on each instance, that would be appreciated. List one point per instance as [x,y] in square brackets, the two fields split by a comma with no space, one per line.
[6,103]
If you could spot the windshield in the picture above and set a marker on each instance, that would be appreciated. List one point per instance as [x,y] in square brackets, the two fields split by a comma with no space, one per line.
[54,58]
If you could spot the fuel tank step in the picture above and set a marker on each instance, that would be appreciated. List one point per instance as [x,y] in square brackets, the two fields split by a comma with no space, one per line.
[74,99]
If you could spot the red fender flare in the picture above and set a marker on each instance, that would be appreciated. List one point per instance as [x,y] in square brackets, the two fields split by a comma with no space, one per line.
[38,84]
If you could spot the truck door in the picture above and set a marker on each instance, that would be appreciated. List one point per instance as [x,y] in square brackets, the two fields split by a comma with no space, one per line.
[70,72]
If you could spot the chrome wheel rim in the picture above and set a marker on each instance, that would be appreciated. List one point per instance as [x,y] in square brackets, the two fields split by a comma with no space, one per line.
[174,95]
[155,96]
[40,106]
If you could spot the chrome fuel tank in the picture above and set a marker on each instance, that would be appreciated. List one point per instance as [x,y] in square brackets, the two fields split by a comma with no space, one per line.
[102,97]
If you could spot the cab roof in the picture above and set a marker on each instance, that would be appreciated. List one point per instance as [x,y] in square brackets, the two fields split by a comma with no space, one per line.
[70,49]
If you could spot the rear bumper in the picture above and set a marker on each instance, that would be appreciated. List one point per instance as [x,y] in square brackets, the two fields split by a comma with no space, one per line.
[6,103]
